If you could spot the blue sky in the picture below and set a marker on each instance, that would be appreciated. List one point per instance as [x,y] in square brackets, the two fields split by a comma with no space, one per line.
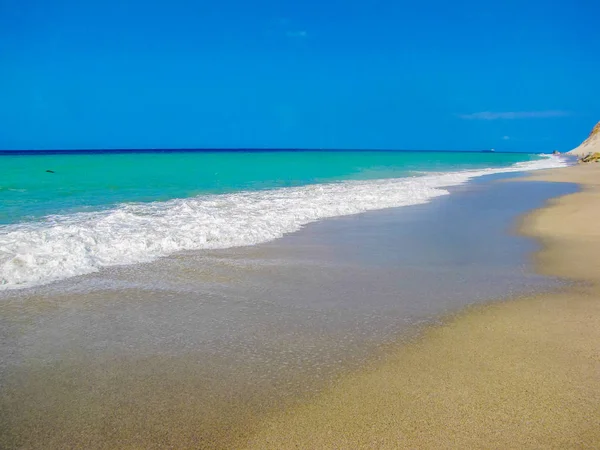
[514,75]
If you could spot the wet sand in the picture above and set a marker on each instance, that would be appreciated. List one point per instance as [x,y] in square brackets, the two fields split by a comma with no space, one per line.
[514,374]
[209,349]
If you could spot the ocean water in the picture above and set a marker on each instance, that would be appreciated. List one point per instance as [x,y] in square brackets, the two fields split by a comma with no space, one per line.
[63,215]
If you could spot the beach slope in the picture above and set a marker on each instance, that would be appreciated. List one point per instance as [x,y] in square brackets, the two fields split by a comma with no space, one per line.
[514,374]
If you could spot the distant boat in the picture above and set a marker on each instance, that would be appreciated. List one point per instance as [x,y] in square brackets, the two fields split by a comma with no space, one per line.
[489,151]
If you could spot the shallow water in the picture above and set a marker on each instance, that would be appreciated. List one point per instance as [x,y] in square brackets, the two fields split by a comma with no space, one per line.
[188,348]
[95,180]
[102,210]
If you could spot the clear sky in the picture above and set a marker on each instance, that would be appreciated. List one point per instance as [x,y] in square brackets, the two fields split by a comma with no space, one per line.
[437,74]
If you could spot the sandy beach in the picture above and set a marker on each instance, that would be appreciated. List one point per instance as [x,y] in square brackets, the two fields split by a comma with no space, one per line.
[514,374]
[274,346]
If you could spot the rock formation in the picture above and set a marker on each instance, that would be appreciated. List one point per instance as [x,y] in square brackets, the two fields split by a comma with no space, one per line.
[590,157]
[591,146]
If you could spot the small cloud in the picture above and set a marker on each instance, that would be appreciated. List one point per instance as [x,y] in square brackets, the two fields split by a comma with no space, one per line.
[300,34]
[488,115]
[506,138]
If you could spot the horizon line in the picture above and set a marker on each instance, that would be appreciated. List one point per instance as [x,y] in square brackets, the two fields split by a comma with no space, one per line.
[240,150]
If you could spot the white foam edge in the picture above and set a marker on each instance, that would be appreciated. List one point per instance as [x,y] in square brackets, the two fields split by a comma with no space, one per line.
[64,246]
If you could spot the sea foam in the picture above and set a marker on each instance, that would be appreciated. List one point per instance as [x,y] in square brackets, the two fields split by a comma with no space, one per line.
[64,246]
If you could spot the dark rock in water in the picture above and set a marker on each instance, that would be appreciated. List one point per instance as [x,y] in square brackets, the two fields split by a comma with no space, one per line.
[50,171]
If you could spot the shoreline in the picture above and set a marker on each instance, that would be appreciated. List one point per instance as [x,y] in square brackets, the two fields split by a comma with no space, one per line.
[520,373]
[114,234]
[201,390]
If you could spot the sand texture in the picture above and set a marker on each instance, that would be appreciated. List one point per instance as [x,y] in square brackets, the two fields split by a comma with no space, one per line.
[517,374]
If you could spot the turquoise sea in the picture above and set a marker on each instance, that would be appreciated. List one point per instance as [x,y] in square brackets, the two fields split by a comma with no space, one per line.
[69,214]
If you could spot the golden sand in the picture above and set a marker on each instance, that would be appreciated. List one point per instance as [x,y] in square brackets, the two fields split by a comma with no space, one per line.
[145,403]
[517,374]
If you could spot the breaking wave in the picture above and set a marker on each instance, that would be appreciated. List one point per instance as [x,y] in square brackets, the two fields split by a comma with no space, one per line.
[63,246]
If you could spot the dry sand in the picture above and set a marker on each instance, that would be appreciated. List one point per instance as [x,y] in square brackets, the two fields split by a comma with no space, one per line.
[516,374]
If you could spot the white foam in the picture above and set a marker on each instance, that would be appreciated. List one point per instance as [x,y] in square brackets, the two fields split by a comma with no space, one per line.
[69,245]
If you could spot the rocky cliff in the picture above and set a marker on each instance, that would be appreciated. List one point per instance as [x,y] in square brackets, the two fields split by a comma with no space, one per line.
[590,145]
